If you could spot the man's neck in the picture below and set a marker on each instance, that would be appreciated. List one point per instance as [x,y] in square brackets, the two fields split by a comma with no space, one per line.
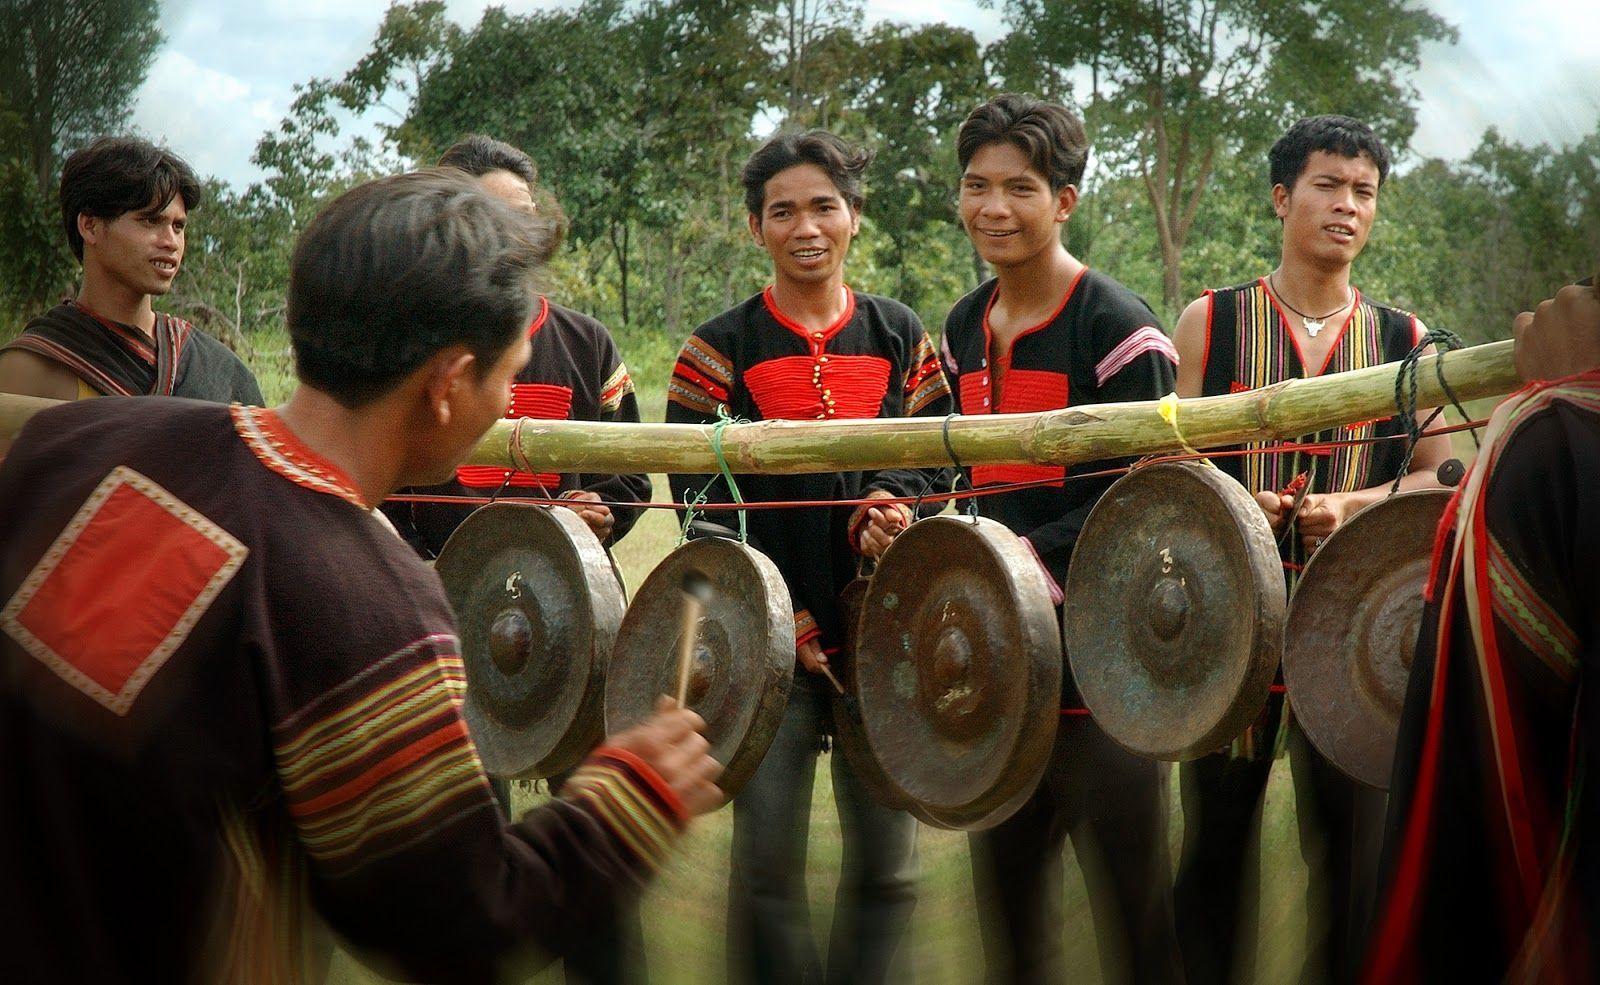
[816,306]
[110,298]
[1037,283]
[363,443]
[1311,287]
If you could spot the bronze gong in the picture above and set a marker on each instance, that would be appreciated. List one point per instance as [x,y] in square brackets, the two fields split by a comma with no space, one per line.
[850,739]
[743,661]
[538,606]
[1352,631]
[1174,610]
[958,671]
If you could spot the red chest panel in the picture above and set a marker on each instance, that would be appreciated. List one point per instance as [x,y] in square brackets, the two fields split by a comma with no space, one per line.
[817,387]
[546,401]
[1024,391]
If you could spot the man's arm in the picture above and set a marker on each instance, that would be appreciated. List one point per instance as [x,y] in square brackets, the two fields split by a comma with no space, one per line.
[1189,337]
[32,375]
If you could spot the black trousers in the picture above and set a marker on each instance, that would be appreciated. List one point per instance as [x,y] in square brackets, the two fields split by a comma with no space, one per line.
[1113,805]
[1218,888]
[613,952]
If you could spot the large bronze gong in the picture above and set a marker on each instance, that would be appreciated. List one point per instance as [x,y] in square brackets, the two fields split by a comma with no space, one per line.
[958,670]
[1174,610]
[1352,630]
[538,605]
[743,663]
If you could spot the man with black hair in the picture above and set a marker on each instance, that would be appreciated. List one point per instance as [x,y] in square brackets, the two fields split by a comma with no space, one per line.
[810,348]
[125,207]
[230,696]
[574,373]
[1046,333]
[1303,319]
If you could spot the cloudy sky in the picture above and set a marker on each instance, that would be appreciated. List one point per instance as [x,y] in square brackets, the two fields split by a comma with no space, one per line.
[1531,67]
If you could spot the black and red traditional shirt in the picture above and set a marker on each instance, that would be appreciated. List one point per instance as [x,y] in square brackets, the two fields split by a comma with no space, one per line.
[110,358]
[1102,345]
[574,373]
[759,364]
[230,719]
[1249,345]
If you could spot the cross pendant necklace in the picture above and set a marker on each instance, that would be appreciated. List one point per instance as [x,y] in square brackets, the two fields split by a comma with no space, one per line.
[1313,323]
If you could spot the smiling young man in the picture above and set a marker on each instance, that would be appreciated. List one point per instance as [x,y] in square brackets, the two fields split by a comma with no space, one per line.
[574,373]
[1047,332]
[1302,319]
[810,348]
[125,207]
[274,746]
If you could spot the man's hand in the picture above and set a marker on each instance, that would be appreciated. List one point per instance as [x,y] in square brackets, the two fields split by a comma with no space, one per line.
[1561,338]
[587,505]
[672,743]
[1276,506]
[883,524]
[1320,516]
[811,656]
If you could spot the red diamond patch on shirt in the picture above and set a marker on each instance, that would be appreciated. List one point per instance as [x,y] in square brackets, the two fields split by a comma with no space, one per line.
[121,588]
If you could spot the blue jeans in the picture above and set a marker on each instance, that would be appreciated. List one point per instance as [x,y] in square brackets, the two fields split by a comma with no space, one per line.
[769,923]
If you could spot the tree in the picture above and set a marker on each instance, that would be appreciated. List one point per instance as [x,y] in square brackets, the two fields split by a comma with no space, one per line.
[1173,84]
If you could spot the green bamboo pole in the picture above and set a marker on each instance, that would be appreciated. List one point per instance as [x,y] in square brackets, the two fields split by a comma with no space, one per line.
[1079,434]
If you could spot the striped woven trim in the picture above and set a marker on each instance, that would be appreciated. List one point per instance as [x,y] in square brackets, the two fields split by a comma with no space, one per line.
[83,369]
[617,386]
[1143,340]
[631,801]
[279,450]
[701,378]
[926,382]
[805,627]
[1518,605]
[172,334]
[382,761]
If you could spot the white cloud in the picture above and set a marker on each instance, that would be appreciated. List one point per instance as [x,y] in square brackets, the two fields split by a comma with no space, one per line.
[208,117]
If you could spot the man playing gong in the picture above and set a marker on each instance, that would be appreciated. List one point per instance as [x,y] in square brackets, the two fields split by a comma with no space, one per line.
[1302,319]
[1046,333]
[574,373]
[230,697]
[810,348]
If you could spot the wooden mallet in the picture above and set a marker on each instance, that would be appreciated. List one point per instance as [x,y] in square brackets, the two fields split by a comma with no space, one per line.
[696,592]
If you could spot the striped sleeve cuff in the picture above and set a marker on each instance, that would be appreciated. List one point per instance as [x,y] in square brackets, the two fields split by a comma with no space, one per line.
[805,628]
[631,799]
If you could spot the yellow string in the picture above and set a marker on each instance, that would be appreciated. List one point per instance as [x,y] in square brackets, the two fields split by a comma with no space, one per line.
[1168,409]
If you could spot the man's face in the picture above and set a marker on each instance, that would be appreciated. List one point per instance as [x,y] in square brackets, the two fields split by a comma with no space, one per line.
[1007,207]
[805,225]
[142,250]
[1328,214]
[475,403]
[509,189]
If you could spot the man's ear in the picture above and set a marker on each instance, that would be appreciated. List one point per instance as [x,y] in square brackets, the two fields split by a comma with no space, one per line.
[1066,202]
[443,377]
[855,221]
[755,228]
[89,228]
[1280,200]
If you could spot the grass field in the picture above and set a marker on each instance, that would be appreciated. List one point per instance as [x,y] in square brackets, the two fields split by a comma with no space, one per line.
[684,912]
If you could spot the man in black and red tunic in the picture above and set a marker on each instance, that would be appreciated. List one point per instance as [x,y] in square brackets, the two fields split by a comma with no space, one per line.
[125,207]
[1046,333]
[1303,319]
[230,697]
[575,373]
[1492,868]
[810,348]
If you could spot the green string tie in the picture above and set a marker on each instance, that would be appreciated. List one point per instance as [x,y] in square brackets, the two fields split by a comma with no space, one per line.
[693,503]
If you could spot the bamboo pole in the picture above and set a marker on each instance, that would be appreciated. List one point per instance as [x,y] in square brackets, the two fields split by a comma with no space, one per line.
[1079,434]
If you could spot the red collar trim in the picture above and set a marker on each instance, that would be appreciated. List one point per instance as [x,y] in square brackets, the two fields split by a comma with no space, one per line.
[988,338]
[539,319]
[271,440]
[1283,326]
[810,336]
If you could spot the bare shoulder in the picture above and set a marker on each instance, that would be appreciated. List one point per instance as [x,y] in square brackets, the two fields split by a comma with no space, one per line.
[30,374]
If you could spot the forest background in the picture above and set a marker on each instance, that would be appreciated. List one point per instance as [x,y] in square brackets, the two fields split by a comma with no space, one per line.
[640,113]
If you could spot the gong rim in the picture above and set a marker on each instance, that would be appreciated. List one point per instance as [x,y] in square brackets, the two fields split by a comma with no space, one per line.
[959,671]
[536,665]
[1352,631]
[748,612]
[850,739]
[1166,658]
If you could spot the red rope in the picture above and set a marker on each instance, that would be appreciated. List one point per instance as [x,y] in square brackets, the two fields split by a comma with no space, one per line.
[1282,447]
